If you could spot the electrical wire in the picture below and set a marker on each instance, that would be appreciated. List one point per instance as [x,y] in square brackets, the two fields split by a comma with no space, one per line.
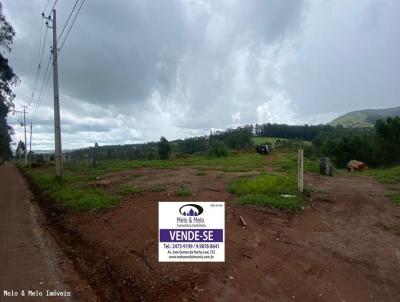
[72,24]
[42,91]
[40,60]
[69,17]
[54,5]
[47,4]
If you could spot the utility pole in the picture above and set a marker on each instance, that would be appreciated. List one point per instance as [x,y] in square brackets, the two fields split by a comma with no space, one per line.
[57,127]
[30,146]
[26,148]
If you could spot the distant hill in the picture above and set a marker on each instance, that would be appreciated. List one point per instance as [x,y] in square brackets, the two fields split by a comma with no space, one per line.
[364,118]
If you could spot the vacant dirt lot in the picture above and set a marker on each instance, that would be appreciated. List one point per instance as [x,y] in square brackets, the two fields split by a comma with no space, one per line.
[334,251]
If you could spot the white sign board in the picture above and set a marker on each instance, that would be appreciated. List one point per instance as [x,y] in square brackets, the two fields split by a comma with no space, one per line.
[191,231]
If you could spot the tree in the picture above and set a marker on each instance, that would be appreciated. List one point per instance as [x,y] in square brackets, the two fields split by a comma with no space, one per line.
[388,140]
[21,149]
[7,79]
[164,149]
[218,149]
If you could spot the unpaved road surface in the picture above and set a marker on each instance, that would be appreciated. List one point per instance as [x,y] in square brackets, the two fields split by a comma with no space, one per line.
[29,258]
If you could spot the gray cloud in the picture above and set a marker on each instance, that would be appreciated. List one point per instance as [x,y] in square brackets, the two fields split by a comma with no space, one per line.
[132,71]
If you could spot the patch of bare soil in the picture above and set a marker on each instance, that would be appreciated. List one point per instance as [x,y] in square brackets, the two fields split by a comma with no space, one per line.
[332,252]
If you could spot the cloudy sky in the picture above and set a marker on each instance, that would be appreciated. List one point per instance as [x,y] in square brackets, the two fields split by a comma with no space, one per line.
[133,70]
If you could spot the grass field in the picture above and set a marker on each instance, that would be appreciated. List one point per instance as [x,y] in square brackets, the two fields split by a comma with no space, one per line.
[389,176]
[259,140]
[272,190]
[71,192]
[77,190]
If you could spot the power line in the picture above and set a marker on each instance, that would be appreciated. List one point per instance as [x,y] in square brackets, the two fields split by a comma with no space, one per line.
[42,91]
[54,5]
[40,40]
[40,100]
[47,4]
[72,24]
[44,44]
[40,60]
[69,17]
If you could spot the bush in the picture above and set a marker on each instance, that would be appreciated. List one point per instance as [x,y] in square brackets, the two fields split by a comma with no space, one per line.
[164,149]
[218,149]
[183,191]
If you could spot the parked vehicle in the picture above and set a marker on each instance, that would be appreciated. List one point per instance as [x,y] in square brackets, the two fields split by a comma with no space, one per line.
[263,149]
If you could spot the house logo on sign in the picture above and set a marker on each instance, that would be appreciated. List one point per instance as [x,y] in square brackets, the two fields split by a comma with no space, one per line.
[191,210]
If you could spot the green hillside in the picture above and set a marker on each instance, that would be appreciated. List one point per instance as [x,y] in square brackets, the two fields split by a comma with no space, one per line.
[364,118]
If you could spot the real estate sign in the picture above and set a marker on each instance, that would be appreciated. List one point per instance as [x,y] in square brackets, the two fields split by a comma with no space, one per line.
[191,231]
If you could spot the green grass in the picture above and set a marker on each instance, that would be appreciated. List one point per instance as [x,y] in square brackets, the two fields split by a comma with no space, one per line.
[201,173]
[69,192]
[311,165]
[157,189]
[78,190]
[385,175]
[274,201]
[266,189]
[237,161]
[259,140]
[395,197]
[388,176]
[126,189]
[183,191]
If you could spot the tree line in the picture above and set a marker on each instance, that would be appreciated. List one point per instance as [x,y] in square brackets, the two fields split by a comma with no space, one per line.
[379,145]
[376,146]
[7,80]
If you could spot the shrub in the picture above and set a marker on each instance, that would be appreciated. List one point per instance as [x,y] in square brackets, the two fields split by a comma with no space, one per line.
[218,149]
[127,189]
[164,149]
[183,191]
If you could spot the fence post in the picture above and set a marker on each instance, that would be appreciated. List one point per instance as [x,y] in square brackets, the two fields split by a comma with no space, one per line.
[300,169]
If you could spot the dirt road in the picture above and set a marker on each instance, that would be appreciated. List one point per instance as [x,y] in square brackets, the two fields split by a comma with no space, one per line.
[29,258]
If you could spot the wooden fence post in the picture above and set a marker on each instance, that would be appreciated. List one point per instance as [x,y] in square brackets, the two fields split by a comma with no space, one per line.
[300,169]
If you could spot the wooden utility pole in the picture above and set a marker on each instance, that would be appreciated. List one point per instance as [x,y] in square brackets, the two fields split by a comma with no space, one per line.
[57,127]
[300,170]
